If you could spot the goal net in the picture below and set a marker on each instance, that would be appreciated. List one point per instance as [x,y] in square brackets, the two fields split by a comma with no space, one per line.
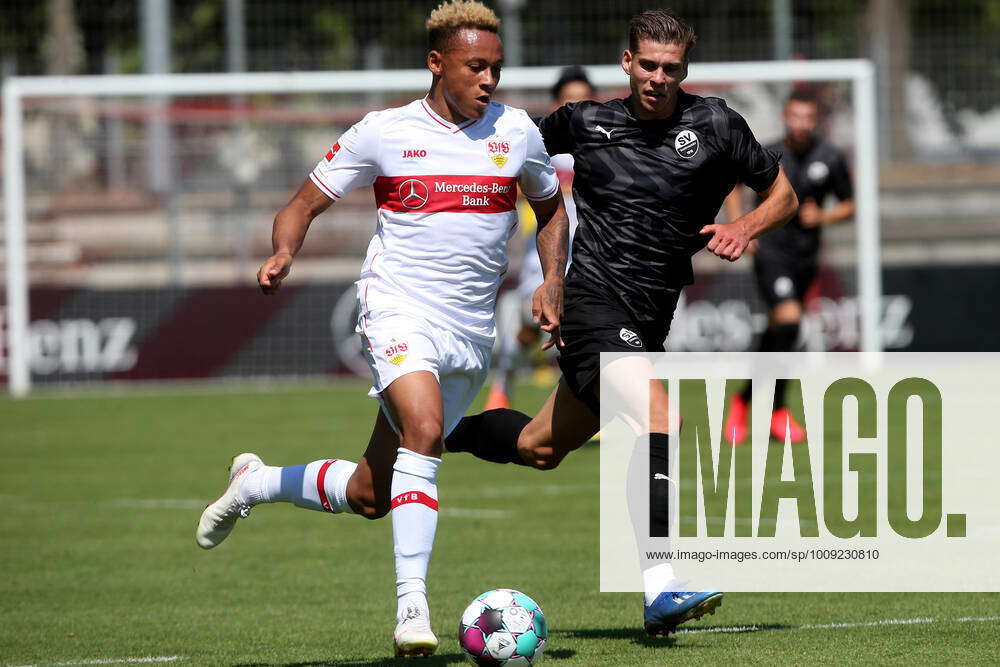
[137,209]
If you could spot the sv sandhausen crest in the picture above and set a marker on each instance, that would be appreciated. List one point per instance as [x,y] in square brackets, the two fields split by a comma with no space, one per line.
[687,144]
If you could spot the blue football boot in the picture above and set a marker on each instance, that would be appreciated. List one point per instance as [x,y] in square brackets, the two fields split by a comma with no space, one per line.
[671,608]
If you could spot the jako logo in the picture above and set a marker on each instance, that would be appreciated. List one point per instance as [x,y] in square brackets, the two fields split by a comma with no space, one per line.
[686,144]
[414,152]
[630,337]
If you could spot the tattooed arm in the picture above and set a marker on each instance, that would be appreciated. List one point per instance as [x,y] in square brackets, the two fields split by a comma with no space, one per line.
[553,246]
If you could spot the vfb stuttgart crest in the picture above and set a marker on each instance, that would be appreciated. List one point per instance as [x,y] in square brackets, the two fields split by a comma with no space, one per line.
[687,144]
[498,151]
[397,352]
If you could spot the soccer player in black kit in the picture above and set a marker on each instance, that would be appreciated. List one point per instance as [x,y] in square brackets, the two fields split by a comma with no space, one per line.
[652,171]
[785,263]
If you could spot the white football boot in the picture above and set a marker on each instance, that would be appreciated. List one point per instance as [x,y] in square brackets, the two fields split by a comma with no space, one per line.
[219,518]
[413,636]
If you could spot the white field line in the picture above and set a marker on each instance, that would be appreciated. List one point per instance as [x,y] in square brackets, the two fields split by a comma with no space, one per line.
[832,626]
[188,504]
[683,631]
[159,503]
[470,513]
[869,624]
[205,387]
[524,490]
[735,629]
[109,661]
[484,492]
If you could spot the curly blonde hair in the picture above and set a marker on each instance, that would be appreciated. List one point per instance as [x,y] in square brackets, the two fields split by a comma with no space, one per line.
[454,15]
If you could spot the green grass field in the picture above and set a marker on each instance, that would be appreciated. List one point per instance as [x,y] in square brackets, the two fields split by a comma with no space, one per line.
[99,565]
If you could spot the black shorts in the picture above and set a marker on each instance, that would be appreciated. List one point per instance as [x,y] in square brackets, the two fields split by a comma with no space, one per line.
[782,276]
[593,323]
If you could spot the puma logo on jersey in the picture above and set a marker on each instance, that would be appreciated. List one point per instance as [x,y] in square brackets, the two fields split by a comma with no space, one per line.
[414,152]
[630,337]
[660,475]
[606,133]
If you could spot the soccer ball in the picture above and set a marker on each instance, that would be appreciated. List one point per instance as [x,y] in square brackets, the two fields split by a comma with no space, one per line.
[503,627]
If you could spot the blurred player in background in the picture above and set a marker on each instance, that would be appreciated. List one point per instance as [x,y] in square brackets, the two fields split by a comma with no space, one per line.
[786,261]
[652,171]
[445,171]
[515,346]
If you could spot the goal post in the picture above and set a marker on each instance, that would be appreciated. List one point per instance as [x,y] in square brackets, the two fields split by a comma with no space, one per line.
[858,74]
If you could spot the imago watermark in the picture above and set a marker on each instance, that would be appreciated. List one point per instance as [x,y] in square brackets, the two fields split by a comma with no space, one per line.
[801,472]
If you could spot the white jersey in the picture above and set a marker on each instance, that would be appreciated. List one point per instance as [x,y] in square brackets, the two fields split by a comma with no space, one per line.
[446,207]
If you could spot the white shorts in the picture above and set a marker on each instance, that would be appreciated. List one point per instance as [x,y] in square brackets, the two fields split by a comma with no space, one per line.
[396,343]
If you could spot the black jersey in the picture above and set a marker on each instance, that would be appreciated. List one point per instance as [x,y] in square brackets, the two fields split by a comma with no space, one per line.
[816,173]
[644,189]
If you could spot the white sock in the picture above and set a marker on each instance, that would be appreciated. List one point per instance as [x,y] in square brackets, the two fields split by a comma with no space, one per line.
[414,522]
[656,579]
[320,485]
[418,600]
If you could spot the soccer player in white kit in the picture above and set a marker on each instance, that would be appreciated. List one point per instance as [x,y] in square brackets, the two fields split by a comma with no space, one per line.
[445,170]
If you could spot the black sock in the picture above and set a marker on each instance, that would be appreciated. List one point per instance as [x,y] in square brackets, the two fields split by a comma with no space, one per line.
[653,496]
[491,435]
[766,345]
[784,338]
[777,338]
[779,393]
[659,487]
